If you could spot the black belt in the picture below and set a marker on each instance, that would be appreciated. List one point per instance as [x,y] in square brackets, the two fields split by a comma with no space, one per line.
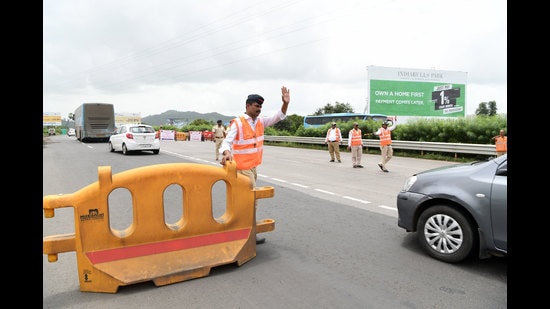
[332,141]
[219,137]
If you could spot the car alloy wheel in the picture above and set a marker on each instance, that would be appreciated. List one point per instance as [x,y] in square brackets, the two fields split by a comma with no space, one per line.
[446,234]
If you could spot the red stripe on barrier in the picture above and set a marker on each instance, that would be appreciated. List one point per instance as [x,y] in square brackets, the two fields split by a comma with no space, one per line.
[165,246]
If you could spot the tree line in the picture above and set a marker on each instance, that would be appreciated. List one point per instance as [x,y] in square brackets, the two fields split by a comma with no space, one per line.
[476,129]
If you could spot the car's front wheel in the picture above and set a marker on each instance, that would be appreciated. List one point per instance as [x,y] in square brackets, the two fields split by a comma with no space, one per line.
[111,148]
[446,234]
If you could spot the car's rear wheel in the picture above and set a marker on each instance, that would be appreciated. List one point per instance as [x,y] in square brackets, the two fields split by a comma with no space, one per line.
[156,151]
[446,234]
[124,149]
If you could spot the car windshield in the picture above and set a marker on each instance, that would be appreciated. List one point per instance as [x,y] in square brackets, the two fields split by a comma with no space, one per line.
[142,130]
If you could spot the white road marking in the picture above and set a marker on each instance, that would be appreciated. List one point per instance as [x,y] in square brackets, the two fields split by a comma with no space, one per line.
[356,200]
[299,185]
[295,184]
[323,191]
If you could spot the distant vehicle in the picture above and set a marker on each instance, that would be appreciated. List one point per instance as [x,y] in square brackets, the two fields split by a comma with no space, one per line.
[51,131]
[94,121]
[135,137]
[71,132]
[321,120]
[458,210]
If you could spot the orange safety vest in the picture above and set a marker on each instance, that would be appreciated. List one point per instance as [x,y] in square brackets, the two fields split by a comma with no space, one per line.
[501,144]
[248,144]
[385,137]
[356,137]
[338,137]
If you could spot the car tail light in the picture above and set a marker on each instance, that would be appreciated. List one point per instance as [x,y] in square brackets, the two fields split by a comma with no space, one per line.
[157,135]
[129,136]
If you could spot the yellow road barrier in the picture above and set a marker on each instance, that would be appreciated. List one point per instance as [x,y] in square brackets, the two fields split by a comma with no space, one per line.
[181,136]
[150,249]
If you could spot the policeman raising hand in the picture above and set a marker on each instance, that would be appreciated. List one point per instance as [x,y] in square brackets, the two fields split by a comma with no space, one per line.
[245,138]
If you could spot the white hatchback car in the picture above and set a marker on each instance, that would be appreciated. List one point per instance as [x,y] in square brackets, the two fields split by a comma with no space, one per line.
[135,137]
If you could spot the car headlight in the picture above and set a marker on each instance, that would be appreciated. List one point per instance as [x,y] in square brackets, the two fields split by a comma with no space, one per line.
[408,183]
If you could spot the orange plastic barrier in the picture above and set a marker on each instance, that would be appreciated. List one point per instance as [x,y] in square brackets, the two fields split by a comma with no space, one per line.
[149,249]
[181,136]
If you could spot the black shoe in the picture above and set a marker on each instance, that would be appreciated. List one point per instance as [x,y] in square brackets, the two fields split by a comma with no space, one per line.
[339,161]
[260,240]
[380,166]
[385,170]
[360,166]
[354,166]
[331,161]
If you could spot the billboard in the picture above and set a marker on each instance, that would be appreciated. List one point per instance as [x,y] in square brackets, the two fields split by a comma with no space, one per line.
[127,118]
[51,119]
[416,92]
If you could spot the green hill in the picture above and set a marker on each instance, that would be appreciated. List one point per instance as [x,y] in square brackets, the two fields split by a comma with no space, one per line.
[172,117]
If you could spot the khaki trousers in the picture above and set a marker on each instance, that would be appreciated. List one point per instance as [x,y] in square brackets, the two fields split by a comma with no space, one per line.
[252,174]
[387,154]
[218,141]
[334,150]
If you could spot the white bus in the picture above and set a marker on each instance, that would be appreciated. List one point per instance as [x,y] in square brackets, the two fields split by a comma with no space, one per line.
[314,121]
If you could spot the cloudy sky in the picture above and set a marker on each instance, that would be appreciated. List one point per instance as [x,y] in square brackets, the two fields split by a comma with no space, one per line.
[148,56]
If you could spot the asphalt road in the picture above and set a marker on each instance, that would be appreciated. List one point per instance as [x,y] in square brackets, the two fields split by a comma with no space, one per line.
[336,243]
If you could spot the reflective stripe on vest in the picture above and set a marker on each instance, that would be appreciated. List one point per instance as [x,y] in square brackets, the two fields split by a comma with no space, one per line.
[356,137]
[248,144]
[385,137]
[500,144]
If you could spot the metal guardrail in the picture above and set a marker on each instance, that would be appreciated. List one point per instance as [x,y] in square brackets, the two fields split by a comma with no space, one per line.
[456,148]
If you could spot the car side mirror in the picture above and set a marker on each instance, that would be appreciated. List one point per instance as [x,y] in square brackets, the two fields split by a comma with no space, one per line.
[502,171]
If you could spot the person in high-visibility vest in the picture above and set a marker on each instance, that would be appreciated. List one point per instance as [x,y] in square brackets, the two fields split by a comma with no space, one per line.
[501,143]
[333,140]
[245,137]
[355,143]
[385,143]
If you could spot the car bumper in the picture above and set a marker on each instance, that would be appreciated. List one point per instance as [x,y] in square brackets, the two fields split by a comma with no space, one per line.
[137,146]
[407,206]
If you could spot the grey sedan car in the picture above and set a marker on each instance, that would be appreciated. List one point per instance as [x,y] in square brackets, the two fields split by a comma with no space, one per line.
[458,210]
